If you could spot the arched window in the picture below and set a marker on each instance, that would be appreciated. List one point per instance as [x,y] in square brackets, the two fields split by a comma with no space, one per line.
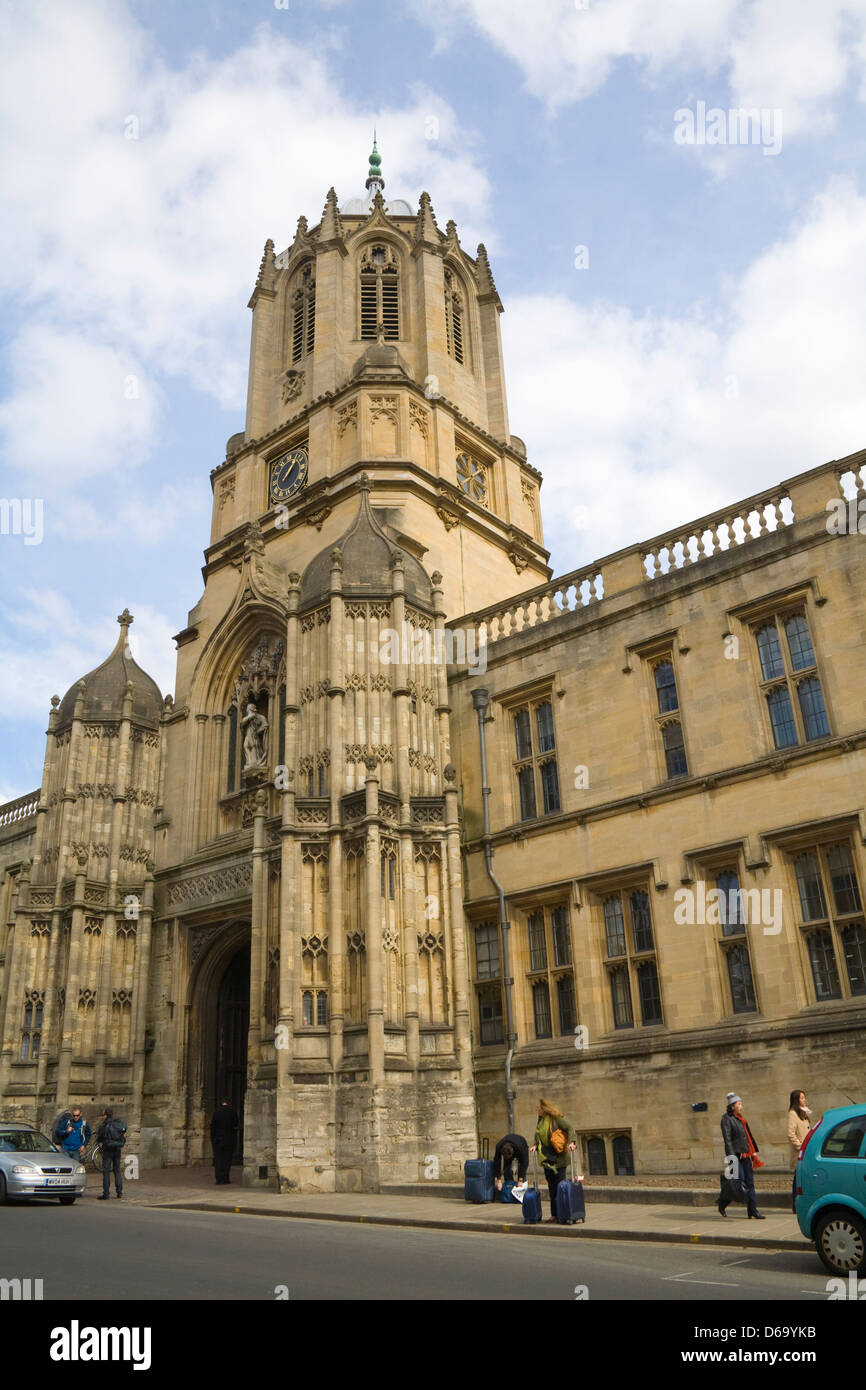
[380,293]
[304,314]
[623,1158]
[596,1155]
[454,317]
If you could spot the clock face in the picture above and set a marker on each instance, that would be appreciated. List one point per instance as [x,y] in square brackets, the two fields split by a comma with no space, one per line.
[288,474]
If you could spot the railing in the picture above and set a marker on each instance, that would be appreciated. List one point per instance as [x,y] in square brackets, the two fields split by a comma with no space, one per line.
[811,494]
[21,809]
[714,534]
[565,595]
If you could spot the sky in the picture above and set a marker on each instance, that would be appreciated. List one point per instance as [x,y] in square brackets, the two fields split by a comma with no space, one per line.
[685,308]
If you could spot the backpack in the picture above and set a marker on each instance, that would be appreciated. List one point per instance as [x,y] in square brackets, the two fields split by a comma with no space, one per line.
[113,1134]
[58,1131]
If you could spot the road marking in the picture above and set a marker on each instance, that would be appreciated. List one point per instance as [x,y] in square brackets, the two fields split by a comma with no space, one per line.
[731,1263]
[716,1283]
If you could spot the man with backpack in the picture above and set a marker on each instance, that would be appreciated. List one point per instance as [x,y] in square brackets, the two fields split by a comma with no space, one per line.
[111,1135]
[72,1132]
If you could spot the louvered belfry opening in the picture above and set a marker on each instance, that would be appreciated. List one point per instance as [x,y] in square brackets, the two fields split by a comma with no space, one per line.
[380,294]
[453,318]
[304,315]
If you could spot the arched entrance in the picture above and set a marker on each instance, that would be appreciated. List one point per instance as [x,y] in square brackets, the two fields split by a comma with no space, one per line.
[232,1027]
[216,1024]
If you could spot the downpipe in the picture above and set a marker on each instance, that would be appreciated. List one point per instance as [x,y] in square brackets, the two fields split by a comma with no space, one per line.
[481,701]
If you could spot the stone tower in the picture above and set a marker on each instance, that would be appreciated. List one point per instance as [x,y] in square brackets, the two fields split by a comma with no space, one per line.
[375,492]
[78,957]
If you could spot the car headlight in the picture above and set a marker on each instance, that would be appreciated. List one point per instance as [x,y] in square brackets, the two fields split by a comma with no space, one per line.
[79,1169]
[23,1168]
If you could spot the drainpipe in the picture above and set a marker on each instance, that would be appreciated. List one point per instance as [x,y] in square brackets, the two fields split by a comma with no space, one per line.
[481,701]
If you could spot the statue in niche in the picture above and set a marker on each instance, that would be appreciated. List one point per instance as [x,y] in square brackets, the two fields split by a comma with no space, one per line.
[255,738]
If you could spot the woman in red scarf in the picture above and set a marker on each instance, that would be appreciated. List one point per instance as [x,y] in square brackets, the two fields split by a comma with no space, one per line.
[740,1144]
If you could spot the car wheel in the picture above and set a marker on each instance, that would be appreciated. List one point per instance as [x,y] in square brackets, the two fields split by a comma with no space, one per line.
[3,1197]
[66,1201]
[840,1237]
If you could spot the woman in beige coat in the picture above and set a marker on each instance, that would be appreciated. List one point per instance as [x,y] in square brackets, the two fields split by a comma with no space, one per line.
[799,1124]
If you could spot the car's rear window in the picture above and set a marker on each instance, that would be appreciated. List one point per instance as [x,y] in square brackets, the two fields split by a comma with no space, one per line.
[845,1139]
[24,1141]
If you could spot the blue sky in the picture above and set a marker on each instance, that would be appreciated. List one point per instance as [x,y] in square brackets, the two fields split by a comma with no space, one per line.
[714,344]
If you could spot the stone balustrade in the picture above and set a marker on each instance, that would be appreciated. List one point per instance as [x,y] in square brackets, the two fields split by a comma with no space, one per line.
[19,810]
[718,532]
[698,542]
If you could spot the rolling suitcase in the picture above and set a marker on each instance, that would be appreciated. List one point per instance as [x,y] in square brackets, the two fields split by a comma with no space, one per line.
[532,1199]
[570,1206]
[478,1183]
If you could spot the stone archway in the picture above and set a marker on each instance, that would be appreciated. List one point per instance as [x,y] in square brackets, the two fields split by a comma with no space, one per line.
[218,1011]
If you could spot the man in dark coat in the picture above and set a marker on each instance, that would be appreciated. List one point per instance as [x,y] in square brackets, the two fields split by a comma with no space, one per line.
[512,1148]
[223,1127]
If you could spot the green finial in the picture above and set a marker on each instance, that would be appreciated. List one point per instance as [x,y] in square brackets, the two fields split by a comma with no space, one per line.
[375,161]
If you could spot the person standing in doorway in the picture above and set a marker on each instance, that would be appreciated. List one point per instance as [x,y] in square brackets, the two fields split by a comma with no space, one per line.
[223,1128]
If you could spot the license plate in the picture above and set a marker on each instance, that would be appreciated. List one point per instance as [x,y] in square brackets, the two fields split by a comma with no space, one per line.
[56,1182]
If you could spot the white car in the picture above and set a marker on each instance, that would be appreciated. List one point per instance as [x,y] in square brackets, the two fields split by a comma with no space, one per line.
[31,1166]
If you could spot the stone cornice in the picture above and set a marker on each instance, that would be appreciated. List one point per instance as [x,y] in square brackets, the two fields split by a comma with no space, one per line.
[327,493]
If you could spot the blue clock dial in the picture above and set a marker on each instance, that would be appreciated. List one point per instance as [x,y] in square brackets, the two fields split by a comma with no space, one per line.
[288,474]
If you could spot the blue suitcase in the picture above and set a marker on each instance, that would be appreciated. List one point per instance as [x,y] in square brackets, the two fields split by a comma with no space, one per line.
[478,1181]
[505,1194]
[532,1201]
[570,1205]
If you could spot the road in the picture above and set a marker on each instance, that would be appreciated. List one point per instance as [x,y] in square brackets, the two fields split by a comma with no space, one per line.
[111,1251]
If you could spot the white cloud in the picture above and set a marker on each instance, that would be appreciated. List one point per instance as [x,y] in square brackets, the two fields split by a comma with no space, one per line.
[138,255]
[49,644]
[640,423]
[798,55]
[77,407]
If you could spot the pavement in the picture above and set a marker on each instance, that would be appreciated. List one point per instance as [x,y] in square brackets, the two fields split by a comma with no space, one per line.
[635,1211]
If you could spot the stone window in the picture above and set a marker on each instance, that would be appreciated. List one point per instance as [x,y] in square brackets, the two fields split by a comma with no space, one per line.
[550,976]
[535,770]
[831,920]
[734,943]
[304,314]
[31,1035]
[667,718]
[789,680]
[380,294]
[604,1153]
[488,995]
[630,959]
[472,476]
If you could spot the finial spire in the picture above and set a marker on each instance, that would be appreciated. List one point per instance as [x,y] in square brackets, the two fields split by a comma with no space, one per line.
[375,182]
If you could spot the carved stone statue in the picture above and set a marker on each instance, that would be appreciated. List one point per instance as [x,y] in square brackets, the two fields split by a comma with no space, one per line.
[255,738]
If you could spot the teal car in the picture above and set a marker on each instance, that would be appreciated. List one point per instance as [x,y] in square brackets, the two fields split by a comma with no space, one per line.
[831,1189]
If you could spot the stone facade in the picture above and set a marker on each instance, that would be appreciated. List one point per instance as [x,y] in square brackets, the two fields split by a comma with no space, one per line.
[273,885]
